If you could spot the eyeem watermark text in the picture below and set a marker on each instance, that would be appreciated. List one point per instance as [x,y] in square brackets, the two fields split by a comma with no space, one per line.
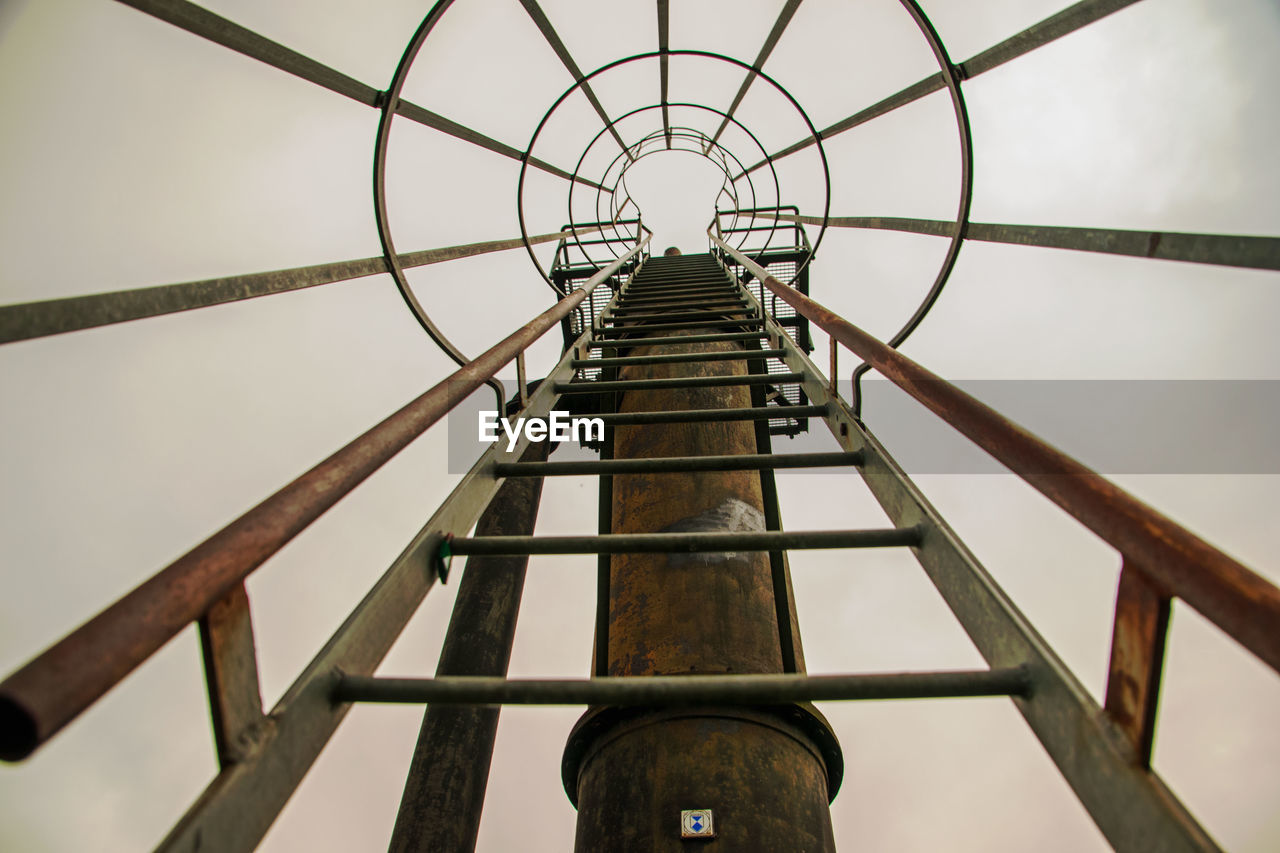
[558,427]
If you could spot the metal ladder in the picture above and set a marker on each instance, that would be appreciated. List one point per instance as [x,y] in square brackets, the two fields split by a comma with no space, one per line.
[1103,756]
[1103,752]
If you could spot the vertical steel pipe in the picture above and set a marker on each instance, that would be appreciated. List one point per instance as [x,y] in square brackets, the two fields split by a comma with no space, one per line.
[631,772]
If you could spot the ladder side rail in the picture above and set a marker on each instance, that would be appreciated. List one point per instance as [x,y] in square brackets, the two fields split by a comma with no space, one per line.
[241,803]
[1236,599]
[1130,804]
[51,690]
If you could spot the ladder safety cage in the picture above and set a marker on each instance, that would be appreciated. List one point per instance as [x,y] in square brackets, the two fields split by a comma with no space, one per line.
[748,300]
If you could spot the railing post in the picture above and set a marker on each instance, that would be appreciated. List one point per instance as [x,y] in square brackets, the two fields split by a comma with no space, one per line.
[231,673]
[1137,657]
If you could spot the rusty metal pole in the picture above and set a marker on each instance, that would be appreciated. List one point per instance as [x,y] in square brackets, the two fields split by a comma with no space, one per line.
[765,773]
[444,793]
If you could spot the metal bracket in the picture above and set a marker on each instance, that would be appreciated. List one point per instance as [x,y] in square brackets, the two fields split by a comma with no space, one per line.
[442,559]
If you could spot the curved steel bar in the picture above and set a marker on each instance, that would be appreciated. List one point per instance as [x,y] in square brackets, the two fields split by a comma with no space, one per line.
[666,133]
[390,101]
[727,187]
[682,133]
[952,77]
[777,188]
[616,159]
[724,166]
[619,183]
[533,140]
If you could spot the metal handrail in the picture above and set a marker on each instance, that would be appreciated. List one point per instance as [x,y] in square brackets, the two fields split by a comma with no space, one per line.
[64,680]
[1229,594]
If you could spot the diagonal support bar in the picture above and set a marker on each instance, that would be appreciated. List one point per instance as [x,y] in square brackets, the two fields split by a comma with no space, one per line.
[543,24]
[779,27]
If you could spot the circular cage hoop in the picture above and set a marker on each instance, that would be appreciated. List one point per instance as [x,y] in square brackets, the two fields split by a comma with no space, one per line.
[952,77]
[654,134]
[813,132]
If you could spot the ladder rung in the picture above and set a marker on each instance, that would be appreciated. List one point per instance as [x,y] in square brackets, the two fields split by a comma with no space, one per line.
[658,282]
[651,291]
[632,343]
[656,285]
[668,283]
[678,358]
[660,690]
[660,277]
[661,280]
[758,413]
[687,542]
[595,386]
[700,324]
[631,294]
[627,305]
[709,293]
[680,315]
[730,300]
[678,464]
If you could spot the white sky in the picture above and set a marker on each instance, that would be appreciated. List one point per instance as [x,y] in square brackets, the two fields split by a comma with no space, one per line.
[135,154]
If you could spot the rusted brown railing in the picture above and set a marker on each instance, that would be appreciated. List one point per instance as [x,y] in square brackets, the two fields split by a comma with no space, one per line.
[1172,558]
[51,690]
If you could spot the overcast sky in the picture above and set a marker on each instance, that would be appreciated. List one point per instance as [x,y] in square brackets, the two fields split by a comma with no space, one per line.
[135,154]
